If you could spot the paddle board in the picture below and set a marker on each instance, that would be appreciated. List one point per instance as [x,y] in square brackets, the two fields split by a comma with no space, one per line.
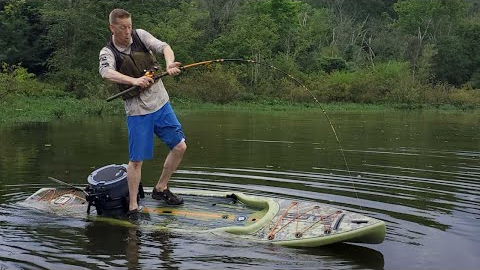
[271,220]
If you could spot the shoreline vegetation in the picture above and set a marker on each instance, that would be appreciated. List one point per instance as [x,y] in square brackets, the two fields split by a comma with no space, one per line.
[353,55]
[23,109]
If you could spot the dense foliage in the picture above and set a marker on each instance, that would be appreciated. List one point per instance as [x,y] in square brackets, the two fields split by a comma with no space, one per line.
[367,51]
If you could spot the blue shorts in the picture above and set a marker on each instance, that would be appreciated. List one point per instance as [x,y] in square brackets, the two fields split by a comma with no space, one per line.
[163,123]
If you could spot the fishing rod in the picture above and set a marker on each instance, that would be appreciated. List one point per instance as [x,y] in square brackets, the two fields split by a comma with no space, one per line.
[150,74]
[297,81]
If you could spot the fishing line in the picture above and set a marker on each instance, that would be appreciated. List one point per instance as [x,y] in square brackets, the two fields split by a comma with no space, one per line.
[297,81]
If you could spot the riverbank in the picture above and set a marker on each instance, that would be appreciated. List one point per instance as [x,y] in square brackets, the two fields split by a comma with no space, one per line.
[44,109]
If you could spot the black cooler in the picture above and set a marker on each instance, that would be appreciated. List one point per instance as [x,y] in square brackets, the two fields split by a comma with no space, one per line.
[108,190]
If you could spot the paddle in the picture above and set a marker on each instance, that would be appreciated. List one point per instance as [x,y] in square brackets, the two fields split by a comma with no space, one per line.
[67,184]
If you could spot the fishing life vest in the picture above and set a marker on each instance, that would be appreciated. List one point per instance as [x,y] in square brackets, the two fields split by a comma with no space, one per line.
[108,190]
[134,64]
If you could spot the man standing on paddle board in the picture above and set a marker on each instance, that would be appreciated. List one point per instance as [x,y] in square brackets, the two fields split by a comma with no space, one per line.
[124,61]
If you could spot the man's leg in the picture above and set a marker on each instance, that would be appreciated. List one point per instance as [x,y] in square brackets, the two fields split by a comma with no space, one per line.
[171,164]
[134,174]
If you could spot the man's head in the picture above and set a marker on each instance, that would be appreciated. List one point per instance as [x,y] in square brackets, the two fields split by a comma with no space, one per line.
[121,26]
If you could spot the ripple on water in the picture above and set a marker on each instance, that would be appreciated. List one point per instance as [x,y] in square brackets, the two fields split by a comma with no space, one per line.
[416,210]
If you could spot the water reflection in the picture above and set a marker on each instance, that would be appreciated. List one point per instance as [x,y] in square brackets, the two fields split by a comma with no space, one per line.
[362,257]
[418,172]
[166,250]
[108,239]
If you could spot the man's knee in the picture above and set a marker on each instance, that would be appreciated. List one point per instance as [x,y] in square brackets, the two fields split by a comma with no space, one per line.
[135,165]
[180,148]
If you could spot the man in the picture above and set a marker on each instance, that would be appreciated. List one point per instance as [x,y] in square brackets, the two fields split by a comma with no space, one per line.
[124,61]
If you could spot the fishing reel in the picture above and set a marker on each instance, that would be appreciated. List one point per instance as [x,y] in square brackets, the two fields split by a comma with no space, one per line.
[150,72]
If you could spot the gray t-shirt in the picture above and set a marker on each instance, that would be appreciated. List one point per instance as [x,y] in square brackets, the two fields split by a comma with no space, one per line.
[149,100]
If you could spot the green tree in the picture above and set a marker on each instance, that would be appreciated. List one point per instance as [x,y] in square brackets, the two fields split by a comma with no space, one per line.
[21,33]
[430,19]
[471,36]
[458,57]
[180,28]
[220,14]
[77,31]
[426,22]
[312,40]
[252,35]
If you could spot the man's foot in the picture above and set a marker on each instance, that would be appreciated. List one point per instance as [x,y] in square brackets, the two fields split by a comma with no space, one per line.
[133,215]
[167,196]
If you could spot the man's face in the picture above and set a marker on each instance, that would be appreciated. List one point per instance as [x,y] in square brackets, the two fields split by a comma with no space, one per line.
[122,31]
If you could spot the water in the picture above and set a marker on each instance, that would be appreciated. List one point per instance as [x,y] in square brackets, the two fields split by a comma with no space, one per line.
[419,172]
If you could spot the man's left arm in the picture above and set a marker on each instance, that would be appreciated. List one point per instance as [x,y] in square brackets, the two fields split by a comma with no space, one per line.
[173,68]
[157,46]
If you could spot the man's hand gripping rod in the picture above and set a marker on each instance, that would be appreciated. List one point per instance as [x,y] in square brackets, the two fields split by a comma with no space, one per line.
[149,73]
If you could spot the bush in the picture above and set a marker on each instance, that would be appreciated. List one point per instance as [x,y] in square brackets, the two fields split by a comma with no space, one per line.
[437,94]
[330,64]
[300,94]
[405,92]
[79,82]
[339,86]
[387,82]
[16,80]
[13,79]
[465,98]
[216,85]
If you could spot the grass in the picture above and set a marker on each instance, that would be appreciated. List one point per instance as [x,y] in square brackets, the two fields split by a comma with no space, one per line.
[21,109]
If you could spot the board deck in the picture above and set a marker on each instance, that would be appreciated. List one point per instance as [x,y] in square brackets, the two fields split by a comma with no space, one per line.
[272,220]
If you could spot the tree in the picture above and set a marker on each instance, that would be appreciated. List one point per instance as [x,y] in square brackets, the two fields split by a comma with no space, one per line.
[77,30]
[220,14]
[21,35]
[252,35]
[427,21]
[179,27]
[458,57]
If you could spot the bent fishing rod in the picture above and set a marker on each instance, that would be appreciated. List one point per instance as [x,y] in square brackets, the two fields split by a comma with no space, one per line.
[239,60]
[150,74]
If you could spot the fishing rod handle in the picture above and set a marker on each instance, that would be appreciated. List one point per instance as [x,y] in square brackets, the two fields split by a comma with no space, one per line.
[156,77]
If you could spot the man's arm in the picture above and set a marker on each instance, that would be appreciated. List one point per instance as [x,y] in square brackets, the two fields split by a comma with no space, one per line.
[173,68]
[117,77]
[161,47]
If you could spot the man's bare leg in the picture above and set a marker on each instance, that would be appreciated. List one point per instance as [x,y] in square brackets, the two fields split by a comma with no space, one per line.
[134,174]
[170,166]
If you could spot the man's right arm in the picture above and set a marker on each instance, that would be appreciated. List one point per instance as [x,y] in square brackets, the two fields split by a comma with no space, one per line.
[108,72]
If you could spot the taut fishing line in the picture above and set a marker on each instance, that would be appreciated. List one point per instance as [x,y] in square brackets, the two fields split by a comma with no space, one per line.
[298,82]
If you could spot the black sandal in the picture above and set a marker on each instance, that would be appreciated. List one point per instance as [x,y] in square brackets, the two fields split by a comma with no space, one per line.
[133,214]
[167,196]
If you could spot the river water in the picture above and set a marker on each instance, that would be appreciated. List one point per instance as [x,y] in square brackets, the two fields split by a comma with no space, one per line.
[417,171]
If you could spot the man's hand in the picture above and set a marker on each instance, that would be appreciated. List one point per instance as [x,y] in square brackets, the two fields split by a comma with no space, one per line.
[143,81]
[174,68]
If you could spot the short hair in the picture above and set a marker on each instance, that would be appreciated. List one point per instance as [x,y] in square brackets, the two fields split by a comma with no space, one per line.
[118,13]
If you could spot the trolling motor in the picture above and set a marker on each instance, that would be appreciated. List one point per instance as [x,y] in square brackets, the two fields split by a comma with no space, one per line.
[107,190]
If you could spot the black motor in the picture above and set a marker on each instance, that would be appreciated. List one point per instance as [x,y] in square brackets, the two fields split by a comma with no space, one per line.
[108,190]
